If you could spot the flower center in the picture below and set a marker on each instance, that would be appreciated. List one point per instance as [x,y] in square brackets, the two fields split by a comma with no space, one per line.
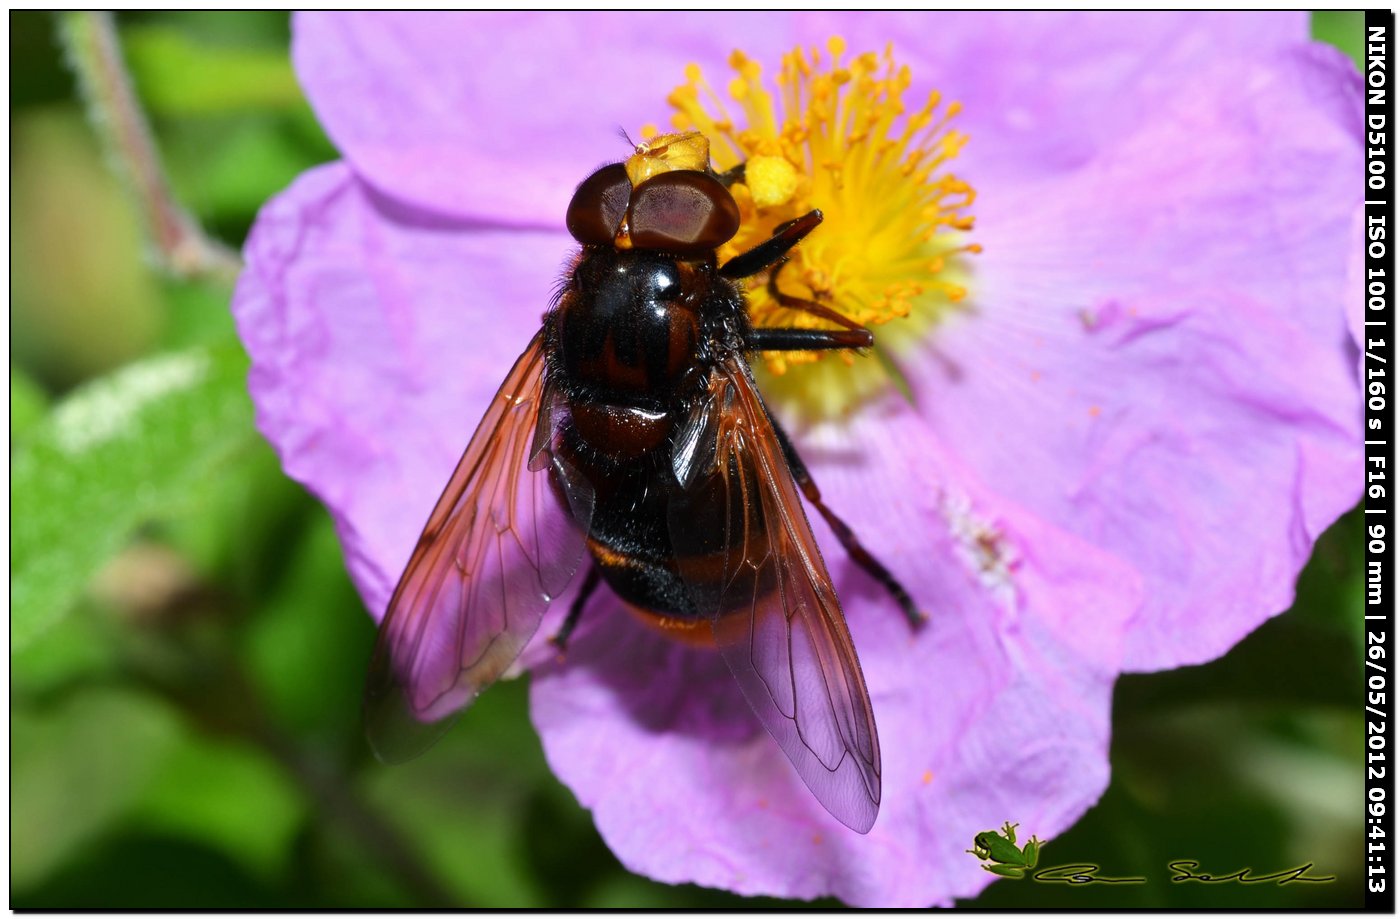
[837,139]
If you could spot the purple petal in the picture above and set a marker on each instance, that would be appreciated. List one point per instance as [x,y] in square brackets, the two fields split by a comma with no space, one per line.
[998,709]
[1042,92]
[1158,358]
[378,336]
[497,116]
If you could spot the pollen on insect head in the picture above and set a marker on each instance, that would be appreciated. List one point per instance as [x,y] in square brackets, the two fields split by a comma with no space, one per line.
[839,135]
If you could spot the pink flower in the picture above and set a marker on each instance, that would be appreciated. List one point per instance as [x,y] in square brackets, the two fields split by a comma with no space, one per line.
[1118,455]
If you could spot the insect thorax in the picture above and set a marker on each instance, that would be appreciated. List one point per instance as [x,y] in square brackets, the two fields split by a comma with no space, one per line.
[633,336]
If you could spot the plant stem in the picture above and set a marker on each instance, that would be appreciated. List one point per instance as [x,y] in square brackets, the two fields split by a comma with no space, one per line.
[177,242]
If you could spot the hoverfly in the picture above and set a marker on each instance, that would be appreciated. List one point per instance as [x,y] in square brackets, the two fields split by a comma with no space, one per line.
[631,430]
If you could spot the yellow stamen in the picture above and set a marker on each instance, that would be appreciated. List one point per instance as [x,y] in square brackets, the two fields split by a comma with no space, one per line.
[836,136]
[771,180]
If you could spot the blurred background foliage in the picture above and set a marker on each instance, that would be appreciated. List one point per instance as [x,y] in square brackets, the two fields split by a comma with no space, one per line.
[187,651]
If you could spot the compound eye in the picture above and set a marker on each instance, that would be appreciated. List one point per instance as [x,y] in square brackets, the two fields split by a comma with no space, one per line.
[599,205]
[683,211]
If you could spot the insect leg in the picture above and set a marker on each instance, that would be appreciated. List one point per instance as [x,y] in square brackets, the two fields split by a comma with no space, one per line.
[731,175]
[808,339]
[858,553]
[854,335]
[560,639]
[773,249]
[808,306]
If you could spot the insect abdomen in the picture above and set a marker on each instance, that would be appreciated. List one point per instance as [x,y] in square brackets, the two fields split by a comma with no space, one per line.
[629,537]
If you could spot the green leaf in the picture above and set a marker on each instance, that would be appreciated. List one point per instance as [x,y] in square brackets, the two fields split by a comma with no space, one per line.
[177,76]
[77,646]
[466,804]
[27,404]
[107,760]
[75,770]
[229,796]
[198,314]
[309,646]
[1344,29]
[226,169]
[125,450]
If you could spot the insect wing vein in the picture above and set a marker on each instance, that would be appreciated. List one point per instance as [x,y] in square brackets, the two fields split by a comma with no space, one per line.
[506,535]
[777,621]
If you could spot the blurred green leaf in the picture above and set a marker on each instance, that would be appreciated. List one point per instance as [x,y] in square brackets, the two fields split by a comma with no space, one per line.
[229,796]
[175,75]
[465,802]
[309,649]
[27,404]
[251,517]
[227,170]
[1342,28]
[259,28]
[136,871]
[199,314]
[75,646]
[127,449]
[1332,587]
[79,765]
